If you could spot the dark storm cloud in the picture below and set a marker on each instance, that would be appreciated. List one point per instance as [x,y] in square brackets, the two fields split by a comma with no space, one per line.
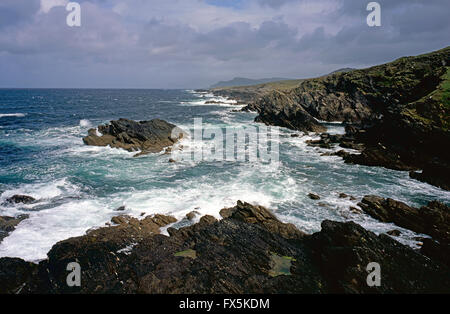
[192,43]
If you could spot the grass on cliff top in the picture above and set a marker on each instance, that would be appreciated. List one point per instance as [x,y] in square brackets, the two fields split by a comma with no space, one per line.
[265,87]
[445,87]
[434,107]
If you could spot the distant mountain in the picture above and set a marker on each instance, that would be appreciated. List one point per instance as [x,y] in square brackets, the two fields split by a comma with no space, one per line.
[242,81]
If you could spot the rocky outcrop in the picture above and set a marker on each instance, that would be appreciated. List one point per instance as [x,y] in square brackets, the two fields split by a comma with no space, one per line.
[20,199]
[279,109]
[144,136]
[249,251]
[8,224]
[402,107]
[432,219]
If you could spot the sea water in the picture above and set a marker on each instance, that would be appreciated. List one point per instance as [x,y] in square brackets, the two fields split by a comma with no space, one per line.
[79,187]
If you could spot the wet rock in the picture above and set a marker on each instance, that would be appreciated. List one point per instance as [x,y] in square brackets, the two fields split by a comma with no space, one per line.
[355,210]
[313,196]
[172,160]
[433,219]
[143,137]
[435,173]
[277,108]
[378,156]
[343,195]
[24,199]
[262,216]
[249,251]
[394,233]
[191,215]
[9,224]
[121,208]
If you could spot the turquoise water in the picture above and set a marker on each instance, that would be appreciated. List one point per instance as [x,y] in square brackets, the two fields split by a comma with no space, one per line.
[78,186]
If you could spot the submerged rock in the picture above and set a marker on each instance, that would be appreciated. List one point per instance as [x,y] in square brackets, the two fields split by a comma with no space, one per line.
[144,136]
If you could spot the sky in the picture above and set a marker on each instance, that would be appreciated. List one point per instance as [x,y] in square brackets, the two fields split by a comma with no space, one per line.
[195,43]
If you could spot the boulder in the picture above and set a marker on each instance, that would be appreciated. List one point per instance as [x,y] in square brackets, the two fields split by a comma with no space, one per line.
[313,196]
[144,136]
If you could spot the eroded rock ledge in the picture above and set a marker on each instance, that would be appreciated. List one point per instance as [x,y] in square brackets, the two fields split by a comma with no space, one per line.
[432,219]
[143,136]
[249,251]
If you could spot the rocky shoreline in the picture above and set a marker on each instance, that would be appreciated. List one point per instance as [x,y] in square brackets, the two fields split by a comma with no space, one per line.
[248,251]
[397,114]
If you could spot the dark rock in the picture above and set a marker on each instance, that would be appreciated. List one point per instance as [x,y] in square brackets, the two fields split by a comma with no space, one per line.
[439,251]
[433,219]
[435,173]
[378,156]
[8,224]
[395,233]
[261,216]
[279,109]
[343,195]
[121,208]
[313,196]
[249,251]
[144,136]
[24,199]
[172,160]
[191,215]
[343,250]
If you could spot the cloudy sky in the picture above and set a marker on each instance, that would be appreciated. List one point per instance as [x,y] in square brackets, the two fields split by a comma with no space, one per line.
[194,43]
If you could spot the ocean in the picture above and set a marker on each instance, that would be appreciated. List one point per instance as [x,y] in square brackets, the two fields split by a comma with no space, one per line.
[79,187]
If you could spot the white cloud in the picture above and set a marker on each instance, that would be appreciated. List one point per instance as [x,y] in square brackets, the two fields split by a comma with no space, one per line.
[47,5]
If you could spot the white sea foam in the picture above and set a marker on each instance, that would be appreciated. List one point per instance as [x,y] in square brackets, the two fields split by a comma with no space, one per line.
[180,189]
[19,115]
[84,123]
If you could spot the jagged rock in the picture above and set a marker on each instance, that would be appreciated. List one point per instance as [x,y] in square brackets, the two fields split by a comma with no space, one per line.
[24,199]
[8,224]
[400,108]
[435,173]
[433,219]
[313,196]
[121,208]
[278,109]
[144,136]
[249,251]
[378,156]
[261,216]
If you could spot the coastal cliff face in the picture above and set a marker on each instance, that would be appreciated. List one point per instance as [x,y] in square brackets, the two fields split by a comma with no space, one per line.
[400,110]
[248,251]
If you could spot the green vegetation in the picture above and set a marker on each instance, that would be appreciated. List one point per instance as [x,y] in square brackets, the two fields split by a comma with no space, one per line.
[280,265]
[187,253]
